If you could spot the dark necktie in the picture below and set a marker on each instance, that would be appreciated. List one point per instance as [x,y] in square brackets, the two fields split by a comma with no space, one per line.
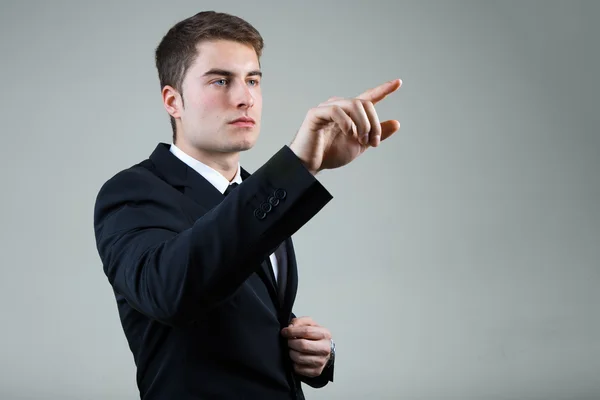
[230,188]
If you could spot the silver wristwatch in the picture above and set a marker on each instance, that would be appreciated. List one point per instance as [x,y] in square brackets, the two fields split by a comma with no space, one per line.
[332,354]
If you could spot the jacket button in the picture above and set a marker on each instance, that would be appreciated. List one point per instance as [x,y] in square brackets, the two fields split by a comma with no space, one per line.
[260,214]
[266,207]
[273,201]
[280,194]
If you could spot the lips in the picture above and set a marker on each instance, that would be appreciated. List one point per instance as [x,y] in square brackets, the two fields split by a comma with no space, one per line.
[243,120]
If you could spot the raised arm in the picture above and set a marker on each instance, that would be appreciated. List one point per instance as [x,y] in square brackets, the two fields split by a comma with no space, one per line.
[175,275]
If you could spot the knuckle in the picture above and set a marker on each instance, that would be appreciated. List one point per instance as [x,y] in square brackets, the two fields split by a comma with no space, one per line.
[367,103]
[351,127]
[314,110]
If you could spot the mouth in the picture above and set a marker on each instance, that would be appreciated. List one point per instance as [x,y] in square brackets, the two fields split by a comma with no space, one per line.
[243,121]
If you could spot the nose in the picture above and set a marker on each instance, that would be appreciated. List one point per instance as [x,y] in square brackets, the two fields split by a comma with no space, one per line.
[243,96]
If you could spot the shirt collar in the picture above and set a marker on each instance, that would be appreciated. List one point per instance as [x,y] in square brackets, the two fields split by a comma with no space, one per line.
[210,174]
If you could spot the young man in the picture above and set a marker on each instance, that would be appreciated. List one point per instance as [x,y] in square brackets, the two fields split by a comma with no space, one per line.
[198,251]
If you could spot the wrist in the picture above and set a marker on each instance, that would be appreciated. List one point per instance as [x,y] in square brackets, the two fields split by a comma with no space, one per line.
[296,149]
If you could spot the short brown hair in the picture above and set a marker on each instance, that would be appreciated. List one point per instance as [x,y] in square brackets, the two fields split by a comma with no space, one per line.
[178,48]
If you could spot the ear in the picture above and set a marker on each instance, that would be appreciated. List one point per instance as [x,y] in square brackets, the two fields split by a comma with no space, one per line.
[172,101]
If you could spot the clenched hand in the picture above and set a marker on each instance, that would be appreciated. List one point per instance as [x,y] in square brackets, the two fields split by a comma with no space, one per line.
[310,346]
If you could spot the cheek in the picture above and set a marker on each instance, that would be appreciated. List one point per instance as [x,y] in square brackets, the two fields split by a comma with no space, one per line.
[212,100]
[258,102]
[209,105]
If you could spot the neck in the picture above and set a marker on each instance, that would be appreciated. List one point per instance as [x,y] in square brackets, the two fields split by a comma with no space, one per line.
[224,163]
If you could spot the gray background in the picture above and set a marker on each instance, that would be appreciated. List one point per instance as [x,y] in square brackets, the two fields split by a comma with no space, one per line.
[460,260]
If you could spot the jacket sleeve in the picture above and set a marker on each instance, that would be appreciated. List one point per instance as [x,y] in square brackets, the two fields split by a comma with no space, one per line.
[321,380]
[174,275]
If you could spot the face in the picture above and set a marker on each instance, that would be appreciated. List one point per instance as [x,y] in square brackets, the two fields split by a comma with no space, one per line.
[221,106]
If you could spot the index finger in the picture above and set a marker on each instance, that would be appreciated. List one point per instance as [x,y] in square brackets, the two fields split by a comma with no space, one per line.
[380,92]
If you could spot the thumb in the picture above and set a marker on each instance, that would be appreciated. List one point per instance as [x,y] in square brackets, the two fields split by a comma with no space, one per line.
[388,128]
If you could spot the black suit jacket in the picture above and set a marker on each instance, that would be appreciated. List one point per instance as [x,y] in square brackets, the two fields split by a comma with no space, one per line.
[189,270]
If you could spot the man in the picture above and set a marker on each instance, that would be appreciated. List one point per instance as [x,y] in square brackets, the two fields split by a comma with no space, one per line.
[198,251]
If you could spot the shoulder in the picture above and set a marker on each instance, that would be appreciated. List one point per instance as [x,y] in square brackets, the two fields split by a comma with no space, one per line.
[133,183]
[133,198]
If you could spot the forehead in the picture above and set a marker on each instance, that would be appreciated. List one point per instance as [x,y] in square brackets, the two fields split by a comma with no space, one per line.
[225,54]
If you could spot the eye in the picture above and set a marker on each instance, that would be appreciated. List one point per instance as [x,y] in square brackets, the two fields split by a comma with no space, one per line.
[221,82]
[253,82]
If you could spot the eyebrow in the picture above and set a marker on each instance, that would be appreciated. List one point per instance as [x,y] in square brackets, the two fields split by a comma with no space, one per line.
[223,72]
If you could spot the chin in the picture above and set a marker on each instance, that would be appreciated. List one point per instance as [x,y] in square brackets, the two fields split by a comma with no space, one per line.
[243,143]
[237,146]
[245,146]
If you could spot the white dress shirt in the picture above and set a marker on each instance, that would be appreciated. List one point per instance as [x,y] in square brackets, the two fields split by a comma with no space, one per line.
[216,179]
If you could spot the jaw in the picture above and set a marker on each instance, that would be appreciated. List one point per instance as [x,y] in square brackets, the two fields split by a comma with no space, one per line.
[240,138]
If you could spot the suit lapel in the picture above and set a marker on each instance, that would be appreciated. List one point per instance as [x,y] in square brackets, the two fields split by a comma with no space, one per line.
[202,191]
[281,255]
[265,272]
[291,284]
[183,178]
